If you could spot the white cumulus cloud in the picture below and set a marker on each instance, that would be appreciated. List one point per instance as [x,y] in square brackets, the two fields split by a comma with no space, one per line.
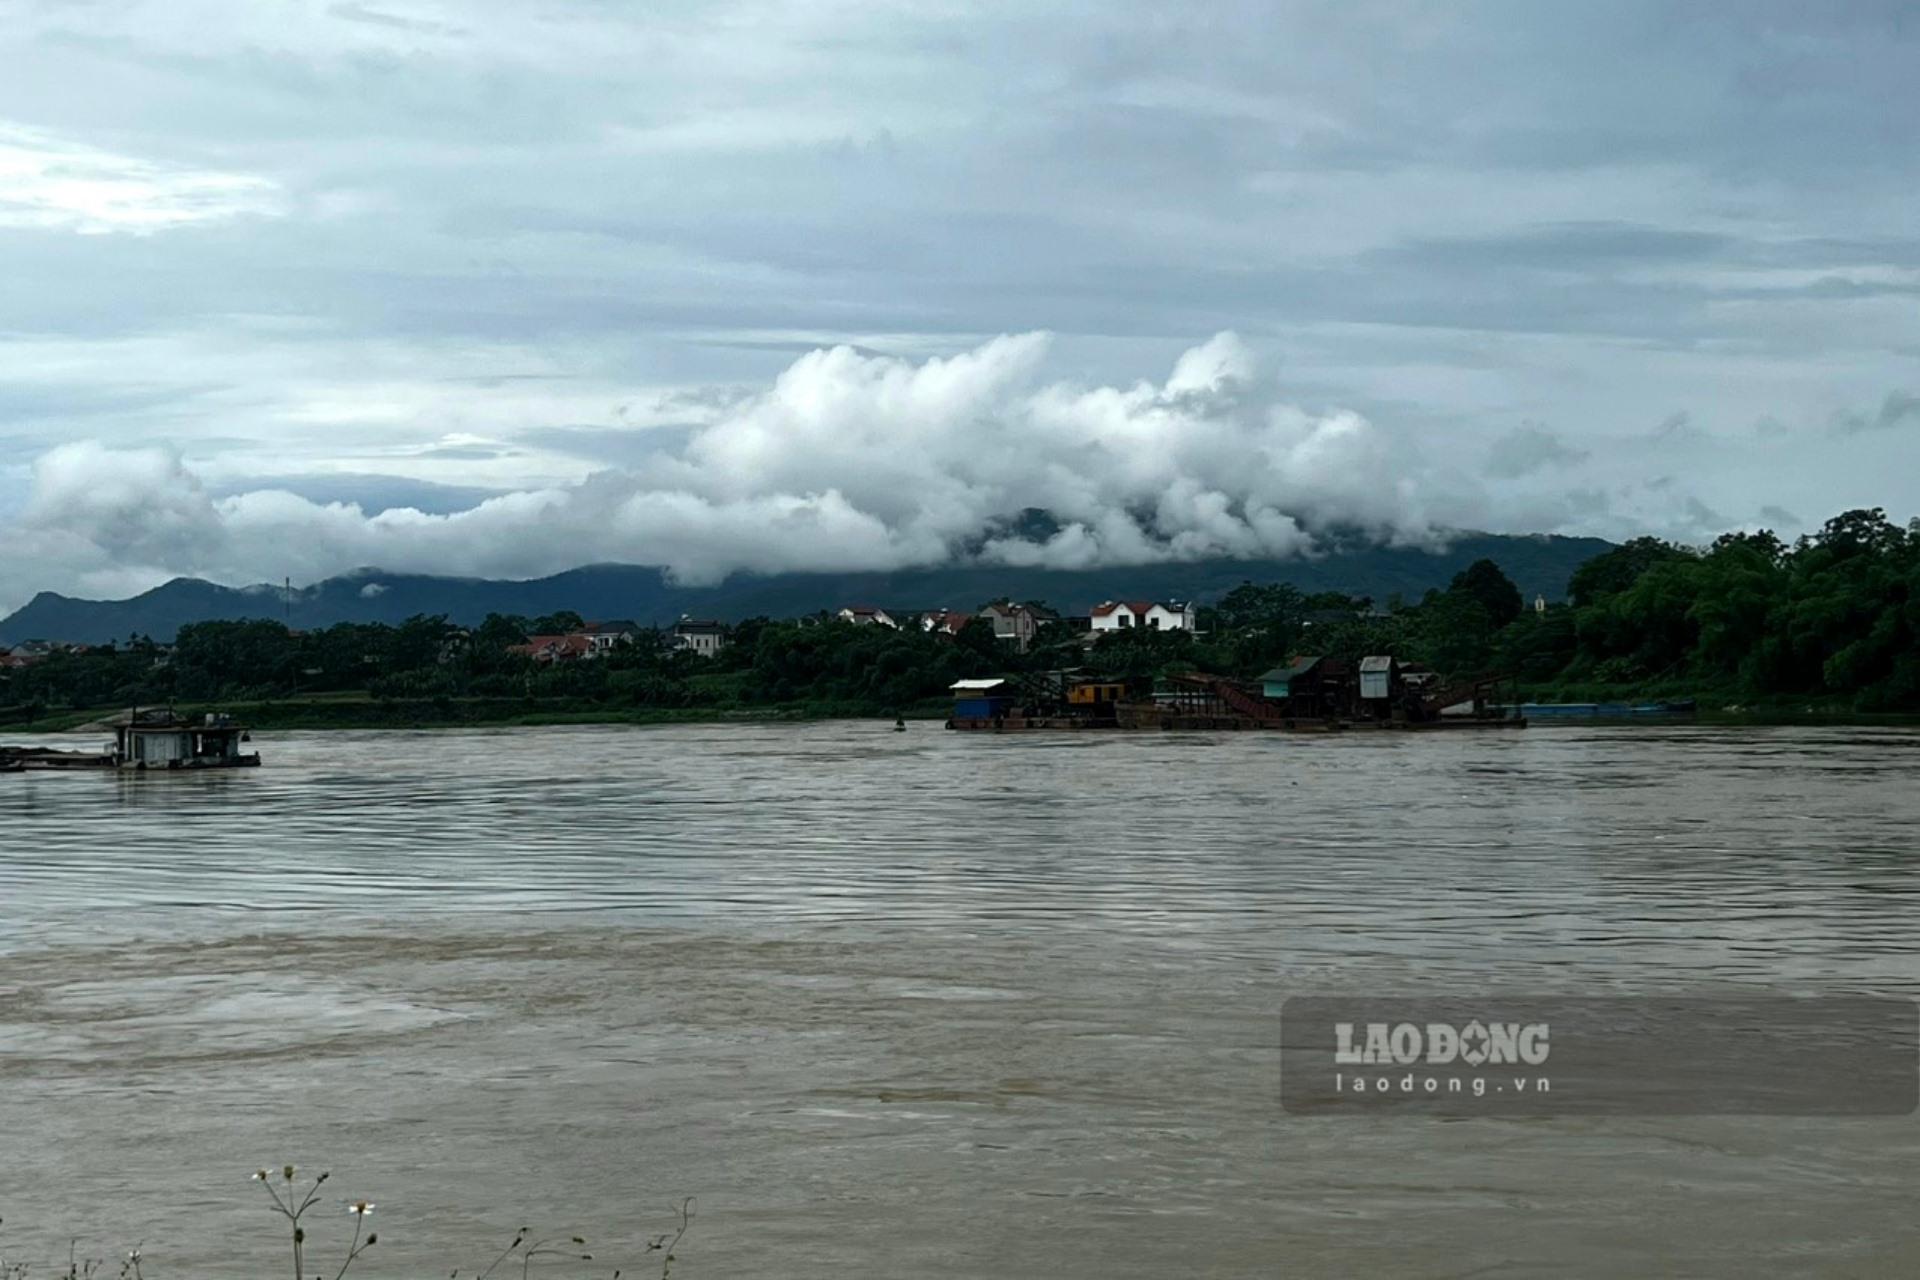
[848,461]
[52,182]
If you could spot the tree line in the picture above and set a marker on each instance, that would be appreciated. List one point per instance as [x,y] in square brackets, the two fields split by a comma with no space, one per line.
[1833,617]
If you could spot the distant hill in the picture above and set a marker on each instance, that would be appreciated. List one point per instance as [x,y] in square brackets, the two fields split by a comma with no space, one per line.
[1540,564]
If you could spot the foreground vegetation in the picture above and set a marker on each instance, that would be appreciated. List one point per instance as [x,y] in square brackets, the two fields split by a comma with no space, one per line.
[1830,623]
[300,1203]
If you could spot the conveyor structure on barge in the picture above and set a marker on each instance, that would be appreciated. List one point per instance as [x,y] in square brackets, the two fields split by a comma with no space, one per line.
[1315,701]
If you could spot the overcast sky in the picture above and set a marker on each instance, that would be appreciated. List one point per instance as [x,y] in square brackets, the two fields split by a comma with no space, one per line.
[290,288]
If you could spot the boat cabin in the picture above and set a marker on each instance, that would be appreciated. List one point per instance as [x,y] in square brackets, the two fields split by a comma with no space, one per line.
[985,699]
[162,740]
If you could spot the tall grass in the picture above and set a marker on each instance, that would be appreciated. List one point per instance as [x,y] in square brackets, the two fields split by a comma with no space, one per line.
[297,1202]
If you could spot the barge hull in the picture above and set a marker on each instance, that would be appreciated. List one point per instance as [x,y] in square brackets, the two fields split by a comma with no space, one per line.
[1190,723]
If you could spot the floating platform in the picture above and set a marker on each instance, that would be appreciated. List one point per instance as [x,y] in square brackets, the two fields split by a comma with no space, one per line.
[1020,724]
[148,742]
[1154,719]
[1584,711]
[30,760]
[23,759]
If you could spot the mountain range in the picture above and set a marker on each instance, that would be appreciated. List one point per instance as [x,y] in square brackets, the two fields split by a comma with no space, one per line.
[1539,564]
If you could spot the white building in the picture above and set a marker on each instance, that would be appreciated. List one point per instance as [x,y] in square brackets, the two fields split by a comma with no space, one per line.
[1153,615]
[866,615]
[1017,624]
[699,636]
[604,637]
[946,621]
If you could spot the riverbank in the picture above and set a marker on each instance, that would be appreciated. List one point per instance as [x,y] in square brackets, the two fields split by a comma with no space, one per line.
[1720,704]
[341,711]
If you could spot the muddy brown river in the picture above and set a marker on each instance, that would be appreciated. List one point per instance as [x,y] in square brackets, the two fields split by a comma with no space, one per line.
[926,1004]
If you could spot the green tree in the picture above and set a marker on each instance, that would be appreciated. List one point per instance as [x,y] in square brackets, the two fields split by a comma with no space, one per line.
[1616,570]
[1485,583]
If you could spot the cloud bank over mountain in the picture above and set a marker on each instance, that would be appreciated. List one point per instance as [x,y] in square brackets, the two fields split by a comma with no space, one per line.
[858,461]
[299,286]
[847,461]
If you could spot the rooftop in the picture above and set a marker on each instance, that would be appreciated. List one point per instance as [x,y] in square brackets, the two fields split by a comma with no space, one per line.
[1299,666]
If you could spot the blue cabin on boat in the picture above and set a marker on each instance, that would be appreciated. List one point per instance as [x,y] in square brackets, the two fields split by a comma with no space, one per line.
[1278,683]
[981,699]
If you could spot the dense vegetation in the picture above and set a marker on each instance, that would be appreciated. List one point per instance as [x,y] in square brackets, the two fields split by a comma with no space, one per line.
[1833,620]
[1348,563]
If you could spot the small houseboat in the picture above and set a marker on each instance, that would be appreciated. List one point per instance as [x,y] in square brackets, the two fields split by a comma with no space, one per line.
[167,741]
[147,741]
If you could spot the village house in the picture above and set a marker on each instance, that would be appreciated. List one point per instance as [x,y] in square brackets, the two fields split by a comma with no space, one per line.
[1153,615]
[867,615]
[602,637]
[568,648]
[594,640]
[455,645]
[945,621]
[1017,624]
[699,636]
[29,652]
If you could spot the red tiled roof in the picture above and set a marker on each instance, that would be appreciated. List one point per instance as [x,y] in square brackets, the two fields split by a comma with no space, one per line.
[549,648]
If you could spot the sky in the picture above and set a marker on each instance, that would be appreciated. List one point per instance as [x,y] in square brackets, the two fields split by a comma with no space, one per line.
[486,288]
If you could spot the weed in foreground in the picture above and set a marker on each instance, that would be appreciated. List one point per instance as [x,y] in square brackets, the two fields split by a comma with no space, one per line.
[293,1203]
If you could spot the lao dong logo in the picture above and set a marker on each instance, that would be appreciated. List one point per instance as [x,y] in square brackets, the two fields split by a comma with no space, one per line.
[1439,1044]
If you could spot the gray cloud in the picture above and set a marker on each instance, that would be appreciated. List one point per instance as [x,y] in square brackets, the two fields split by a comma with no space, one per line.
[1530,448]
[371,493]
[382,18]
[1900,408]
[466,250]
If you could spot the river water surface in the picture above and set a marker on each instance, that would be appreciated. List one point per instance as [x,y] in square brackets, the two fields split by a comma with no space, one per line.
[926,1004]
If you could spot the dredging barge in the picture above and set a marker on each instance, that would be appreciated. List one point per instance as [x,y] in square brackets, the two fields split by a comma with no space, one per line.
[1307,695]
[149,741]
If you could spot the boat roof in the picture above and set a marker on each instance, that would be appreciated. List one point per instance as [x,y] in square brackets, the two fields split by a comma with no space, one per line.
[976,686]
[1298,667]
[173,722]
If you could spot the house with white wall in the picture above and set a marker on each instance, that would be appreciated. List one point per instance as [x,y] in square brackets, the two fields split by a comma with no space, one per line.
[699,636]
[604,637]
[866,615]
[1151,615]
[949,622]
[1017,624]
